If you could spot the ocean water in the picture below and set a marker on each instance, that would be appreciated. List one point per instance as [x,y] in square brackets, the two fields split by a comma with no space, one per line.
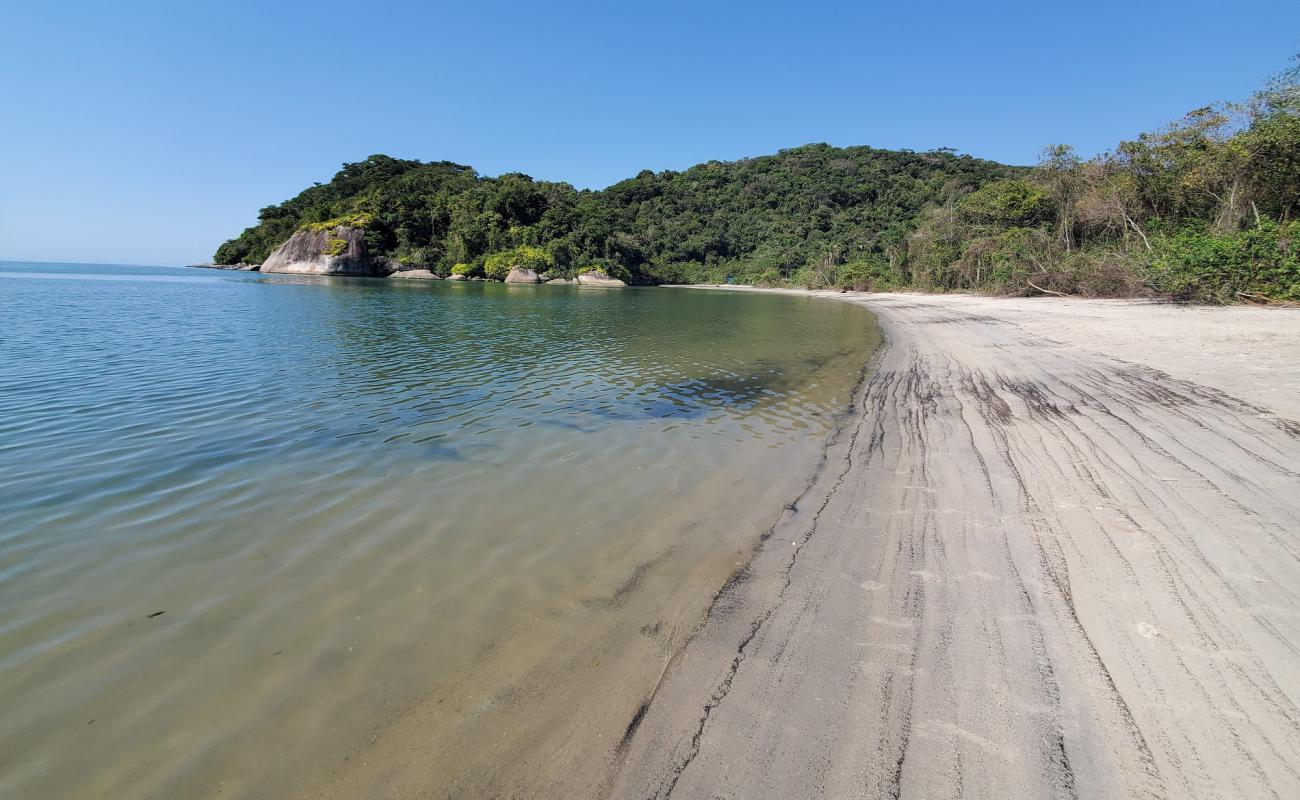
[259,532]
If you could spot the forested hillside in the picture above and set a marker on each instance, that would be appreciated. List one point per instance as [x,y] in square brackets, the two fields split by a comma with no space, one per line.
[763,217]
[1204,209]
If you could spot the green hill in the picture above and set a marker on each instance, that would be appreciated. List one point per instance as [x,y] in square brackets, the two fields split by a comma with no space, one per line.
[769,216]
[1203,209]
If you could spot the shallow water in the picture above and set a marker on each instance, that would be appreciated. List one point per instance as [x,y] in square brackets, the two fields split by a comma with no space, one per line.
[381,521]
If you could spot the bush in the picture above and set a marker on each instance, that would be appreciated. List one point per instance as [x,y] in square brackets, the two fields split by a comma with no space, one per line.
[1007,204]
[678,272]
[1197,264]
[360,220]
[806,278]
[1278,276]
[417,257]
[468,270]
[334,247]
[1098,272]
[869,274]
[498,265]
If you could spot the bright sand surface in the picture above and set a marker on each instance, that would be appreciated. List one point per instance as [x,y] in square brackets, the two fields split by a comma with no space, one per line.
[1057,554]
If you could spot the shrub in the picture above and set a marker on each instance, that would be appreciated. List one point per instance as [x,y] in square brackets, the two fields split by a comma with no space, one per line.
[498,265]
[360,220]
[1099,272]
[1007,204]
[335,247]
[1007,261]
[869,274]
[417,257]
[1197,264]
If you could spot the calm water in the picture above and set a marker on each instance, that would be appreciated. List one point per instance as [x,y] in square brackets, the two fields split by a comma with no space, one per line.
[453,528]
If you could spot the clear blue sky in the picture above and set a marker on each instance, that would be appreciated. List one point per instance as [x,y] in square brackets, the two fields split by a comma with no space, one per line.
[150,132]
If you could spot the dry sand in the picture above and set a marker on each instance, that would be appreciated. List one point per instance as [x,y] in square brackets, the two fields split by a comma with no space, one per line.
[1057,555]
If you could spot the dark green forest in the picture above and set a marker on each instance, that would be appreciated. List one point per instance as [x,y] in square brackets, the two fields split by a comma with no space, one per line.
[1204,209]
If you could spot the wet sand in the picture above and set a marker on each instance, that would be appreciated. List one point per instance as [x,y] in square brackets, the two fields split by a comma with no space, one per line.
[1056,555]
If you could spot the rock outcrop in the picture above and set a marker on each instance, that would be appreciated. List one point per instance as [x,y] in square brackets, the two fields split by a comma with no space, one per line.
[415,274]
[518,275]
[331,251]
[457,278]
[562,280]
[598,277]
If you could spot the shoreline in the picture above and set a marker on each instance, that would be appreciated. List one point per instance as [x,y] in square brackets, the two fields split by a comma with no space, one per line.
[484,564]
[677,587]
[1056,559]
[1102,327]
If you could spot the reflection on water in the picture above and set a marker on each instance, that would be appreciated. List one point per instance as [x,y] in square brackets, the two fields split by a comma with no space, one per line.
[367,508]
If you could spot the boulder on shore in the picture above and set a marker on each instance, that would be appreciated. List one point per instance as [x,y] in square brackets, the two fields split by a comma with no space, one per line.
[415,274]
[457,277]
[597,277]
[332,251]
[519,275]
[562,280]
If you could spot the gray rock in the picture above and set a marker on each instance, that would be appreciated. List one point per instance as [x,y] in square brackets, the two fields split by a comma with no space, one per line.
[456,278]
[415,274]
[598,277]
[306,253]
[562,280]
[518,275]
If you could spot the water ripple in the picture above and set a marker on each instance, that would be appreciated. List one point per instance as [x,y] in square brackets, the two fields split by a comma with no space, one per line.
[343,494]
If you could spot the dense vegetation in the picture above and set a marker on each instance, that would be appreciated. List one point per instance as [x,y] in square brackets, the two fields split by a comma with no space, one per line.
[761,217]
[1204,209]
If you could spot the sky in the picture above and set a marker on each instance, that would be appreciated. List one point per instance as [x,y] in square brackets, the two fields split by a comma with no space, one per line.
[150,132]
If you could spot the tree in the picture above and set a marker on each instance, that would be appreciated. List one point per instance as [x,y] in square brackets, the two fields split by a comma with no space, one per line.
[1109,200]
[1272,144]
[1058,171]
[1007,203]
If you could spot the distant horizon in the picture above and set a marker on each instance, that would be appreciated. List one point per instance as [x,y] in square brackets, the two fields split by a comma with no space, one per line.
[153,133]
[5,260]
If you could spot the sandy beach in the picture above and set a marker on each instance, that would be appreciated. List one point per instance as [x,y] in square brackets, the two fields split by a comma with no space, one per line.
[1056,555]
